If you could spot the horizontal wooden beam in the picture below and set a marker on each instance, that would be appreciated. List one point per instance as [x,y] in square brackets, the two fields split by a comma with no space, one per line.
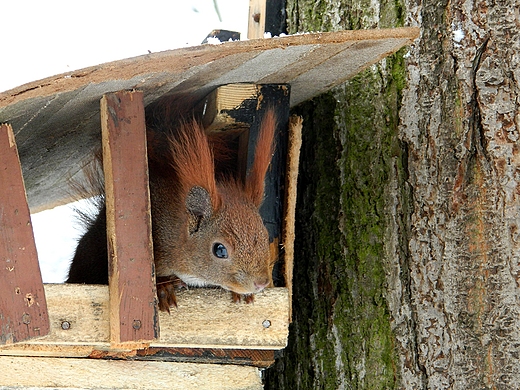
[261,358]
[56,373]
[205,318]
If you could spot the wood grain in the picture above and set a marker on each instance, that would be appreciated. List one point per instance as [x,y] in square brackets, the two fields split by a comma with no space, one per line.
[56,119]
[288,229]
[131,277]
[23,311]
[205,318]
[56,373]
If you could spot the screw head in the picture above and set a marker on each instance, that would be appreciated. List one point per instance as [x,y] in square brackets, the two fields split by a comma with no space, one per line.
[266,324]
[136,324]
[65,325]
[26,318]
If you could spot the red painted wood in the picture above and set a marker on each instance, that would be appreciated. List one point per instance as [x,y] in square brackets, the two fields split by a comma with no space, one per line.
[131,278]
[23,310]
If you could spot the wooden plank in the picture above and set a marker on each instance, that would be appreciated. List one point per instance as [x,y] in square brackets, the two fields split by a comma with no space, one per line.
[131,277]
[56,119]
[56,373]
[256,24]
[205,318]
[248,357]
[288,233]
[23,310]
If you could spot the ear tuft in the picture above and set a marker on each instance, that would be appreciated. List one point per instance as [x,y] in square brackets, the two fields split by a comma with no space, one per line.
[254,185]
[193,163]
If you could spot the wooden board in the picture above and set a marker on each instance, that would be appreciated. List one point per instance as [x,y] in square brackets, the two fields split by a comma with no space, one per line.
[23,311]
[56,373]
[293,162]
[205,318]
[133,308]
[56,120]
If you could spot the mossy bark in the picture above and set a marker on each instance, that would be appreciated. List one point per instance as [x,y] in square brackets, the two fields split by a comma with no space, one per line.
[342,335]
[406,269]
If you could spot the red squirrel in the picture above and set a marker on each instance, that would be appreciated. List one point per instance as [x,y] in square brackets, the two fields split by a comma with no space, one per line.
[206,226]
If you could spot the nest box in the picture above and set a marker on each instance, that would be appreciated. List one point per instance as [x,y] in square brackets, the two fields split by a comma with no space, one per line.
[51,127]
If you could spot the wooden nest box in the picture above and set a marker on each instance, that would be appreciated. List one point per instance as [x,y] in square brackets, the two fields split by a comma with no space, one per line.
[114,335]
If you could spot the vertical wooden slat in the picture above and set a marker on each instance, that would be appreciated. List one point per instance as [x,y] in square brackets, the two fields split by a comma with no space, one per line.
[291,183]
[23,310]
[256,24]
[133,312]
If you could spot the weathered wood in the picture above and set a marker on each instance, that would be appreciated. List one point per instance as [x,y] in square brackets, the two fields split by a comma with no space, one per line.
[248,357]
[133,309]
[56,120]
[23,311]
[55,373]
[215,106]
[288,229]
[256,21]
[205,318]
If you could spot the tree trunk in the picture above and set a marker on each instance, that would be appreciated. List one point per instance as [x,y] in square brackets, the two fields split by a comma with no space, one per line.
[407,264]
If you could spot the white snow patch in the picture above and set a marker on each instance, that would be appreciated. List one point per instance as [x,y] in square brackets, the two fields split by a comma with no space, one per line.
[458,35]
[213,41]
[56,232]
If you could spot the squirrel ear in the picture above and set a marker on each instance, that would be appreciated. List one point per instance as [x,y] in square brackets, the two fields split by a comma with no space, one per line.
[254,184]
[198,204]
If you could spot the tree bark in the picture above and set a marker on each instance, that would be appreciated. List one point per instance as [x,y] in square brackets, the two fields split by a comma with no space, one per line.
[407,263]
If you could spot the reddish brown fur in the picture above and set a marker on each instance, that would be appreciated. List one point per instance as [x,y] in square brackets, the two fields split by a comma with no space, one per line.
[263,153]
[192,160]
[183,241]
[193,209]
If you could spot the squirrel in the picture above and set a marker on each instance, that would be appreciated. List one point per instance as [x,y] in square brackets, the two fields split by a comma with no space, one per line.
[206,226]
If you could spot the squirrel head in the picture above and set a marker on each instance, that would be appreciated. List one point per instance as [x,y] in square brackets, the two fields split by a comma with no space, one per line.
[222,240]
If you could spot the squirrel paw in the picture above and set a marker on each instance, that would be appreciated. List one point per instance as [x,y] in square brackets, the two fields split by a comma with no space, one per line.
[248,298]
[166,286]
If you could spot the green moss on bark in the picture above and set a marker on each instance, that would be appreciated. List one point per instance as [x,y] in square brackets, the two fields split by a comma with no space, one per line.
[367,126]
[341,336]
[333,15]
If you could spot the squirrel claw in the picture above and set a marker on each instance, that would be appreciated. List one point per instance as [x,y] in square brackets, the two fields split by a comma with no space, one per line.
[236,298]
[166,291]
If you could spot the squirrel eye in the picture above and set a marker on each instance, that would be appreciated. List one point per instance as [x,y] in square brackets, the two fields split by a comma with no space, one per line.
[220,251]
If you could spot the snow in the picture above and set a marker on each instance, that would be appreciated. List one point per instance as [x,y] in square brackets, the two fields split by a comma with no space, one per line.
[44,38]
[56,232]
[458,33]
